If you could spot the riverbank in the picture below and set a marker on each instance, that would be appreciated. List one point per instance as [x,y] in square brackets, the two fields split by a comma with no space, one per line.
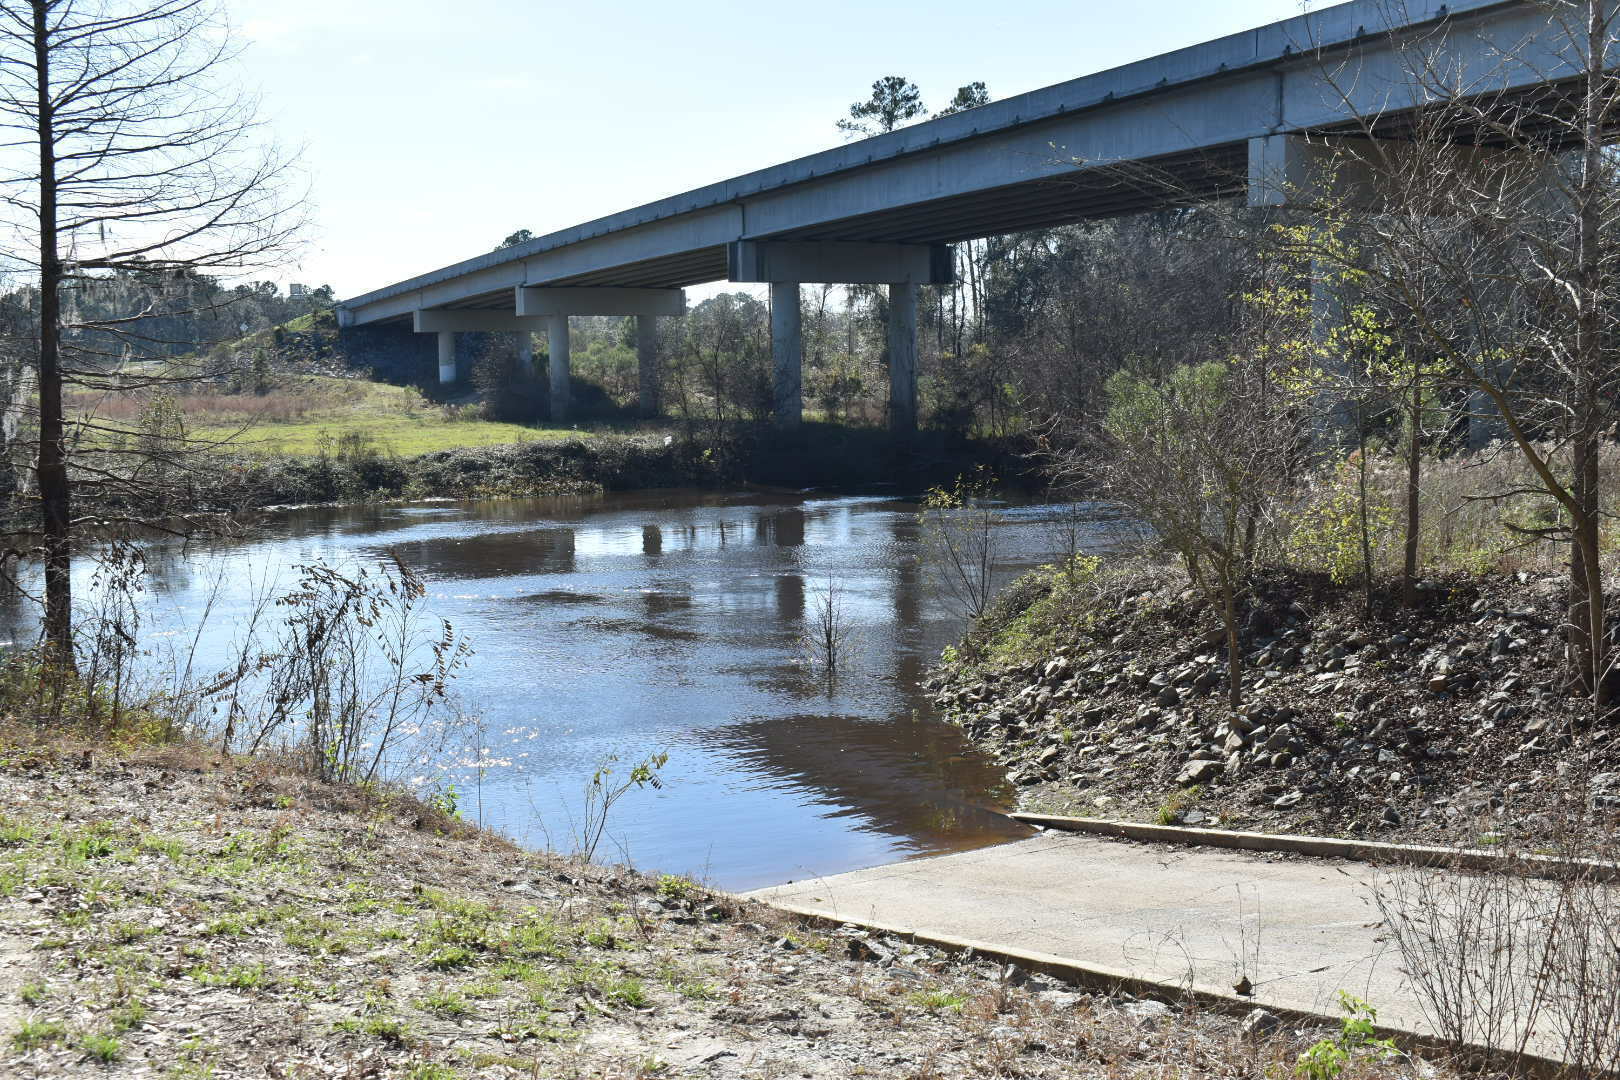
[818,456]
[166,912]
[1105,695]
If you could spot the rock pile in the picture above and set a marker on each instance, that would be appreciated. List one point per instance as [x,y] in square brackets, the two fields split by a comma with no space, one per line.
[1418,720]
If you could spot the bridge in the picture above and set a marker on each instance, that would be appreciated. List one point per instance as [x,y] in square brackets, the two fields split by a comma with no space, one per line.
[1243,116]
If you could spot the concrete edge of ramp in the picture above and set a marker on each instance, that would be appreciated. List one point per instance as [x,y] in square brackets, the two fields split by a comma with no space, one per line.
[1327,847]
[1103,978]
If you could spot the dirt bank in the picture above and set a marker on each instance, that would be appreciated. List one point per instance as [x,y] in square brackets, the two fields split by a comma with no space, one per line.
[172,915]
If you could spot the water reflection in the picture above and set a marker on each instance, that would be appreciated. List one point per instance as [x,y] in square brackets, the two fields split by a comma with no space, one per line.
[914,781]
[629,623]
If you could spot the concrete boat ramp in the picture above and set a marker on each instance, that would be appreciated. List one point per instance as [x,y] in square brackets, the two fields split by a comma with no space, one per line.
[1299,930]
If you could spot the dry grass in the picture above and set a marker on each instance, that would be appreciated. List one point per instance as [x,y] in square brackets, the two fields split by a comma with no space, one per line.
[1467,504]
[305,415]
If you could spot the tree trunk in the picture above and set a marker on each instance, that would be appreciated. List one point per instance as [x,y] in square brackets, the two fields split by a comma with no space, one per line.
[1361,510]
[54,493]
[1234,658]
[1414,474]
[1588,640]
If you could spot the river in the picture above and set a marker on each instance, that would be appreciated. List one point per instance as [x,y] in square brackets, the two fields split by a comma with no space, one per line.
[664,621]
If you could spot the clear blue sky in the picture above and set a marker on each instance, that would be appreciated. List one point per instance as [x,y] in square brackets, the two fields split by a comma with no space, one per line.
[433,128]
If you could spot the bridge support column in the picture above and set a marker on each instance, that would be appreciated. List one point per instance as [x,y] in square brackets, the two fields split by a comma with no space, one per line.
[649,380]
[784,264]
[902,357]
[447,357]
[787,353]
[525,353]
[557,343]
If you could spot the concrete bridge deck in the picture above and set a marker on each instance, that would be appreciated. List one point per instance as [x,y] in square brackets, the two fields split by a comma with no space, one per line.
[1242,115]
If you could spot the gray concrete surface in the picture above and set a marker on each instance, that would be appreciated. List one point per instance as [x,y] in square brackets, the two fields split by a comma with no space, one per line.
[1299,929]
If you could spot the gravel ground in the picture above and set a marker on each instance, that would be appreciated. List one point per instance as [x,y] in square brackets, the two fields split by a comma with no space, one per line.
[167,914]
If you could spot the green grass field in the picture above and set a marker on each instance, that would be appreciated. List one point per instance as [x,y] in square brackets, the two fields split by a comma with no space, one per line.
[305,415]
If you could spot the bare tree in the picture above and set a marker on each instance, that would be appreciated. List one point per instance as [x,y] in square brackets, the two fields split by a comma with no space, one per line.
[124,151]
[1491,227]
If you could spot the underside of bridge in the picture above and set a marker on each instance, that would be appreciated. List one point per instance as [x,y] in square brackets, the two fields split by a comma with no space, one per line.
[1248,116]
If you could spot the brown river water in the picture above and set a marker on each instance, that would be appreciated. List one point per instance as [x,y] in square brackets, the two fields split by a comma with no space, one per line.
[664,621]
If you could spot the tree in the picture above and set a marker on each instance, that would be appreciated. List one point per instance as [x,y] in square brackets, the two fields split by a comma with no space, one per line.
[967,97]
[126,151]
[1501,262]
[522,236]
[895,99]
[1205,456]
[726,348]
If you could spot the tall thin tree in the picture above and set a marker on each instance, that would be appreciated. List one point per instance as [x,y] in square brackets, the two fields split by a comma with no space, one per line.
[124,149]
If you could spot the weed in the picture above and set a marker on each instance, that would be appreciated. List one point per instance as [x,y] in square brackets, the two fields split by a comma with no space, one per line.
[36,1033]
[16,834]
[388,1028]
[239,977]
[32,993]
[93,842]
[697,991]
[158,845]
[623,990]
[446,1003]
[937,1000]
[675,888]
[428,1070]
[99,1047]
[451,956]
[1327,1059]
[128,1016]
[1177,804]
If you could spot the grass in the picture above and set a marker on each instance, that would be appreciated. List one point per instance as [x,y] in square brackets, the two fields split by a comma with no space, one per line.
[937,1000]
[304,415]
[36,1033]
[98,1047]
[312,412]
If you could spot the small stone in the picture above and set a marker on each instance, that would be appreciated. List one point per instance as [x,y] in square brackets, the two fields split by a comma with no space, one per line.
[1286,802]
[871,951]
[1259,1024]
[1147,1011]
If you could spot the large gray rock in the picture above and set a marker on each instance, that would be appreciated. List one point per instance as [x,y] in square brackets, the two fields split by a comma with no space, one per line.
[1197,771]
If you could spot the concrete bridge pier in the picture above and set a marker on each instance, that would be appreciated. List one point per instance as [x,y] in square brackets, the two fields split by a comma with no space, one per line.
[649,385]
[558,346]
[902,357]
[548,308]
[787,353]
[784,264]
[555,304]
[1324,173]
[447,357]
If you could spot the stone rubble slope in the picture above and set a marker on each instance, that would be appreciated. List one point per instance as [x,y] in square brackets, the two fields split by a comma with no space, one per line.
[1440,723]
